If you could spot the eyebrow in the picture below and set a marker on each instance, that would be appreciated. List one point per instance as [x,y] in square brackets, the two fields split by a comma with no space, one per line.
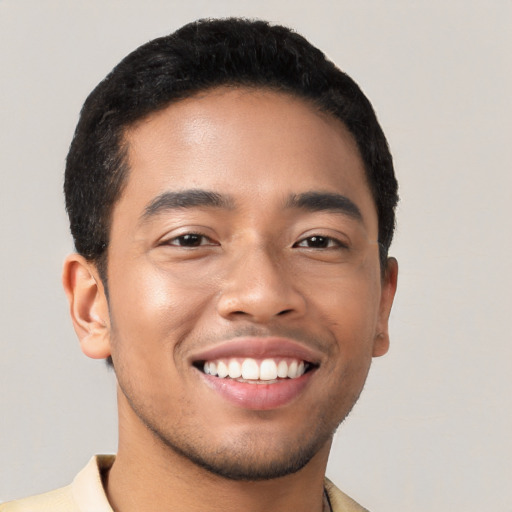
[312,201]
[325,201]
[193,198]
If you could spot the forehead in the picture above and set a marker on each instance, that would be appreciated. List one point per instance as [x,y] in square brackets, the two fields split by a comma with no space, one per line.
[245,143]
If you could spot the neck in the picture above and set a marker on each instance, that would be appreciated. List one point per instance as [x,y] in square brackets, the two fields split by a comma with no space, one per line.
[148,475]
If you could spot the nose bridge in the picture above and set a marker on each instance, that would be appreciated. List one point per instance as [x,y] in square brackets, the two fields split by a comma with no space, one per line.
[258,284]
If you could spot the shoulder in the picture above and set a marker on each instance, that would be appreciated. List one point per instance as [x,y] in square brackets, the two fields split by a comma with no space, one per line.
[340,502]
[60,500]
[85,494]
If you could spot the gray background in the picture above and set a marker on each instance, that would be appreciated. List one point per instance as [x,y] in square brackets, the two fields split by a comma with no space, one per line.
[432,430]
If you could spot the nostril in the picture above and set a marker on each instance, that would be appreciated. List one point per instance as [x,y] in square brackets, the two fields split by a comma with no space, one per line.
[285,311]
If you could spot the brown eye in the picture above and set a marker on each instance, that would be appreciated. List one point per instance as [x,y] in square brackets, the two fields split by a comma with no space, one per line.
[317,242]
[189,240]
[320,242]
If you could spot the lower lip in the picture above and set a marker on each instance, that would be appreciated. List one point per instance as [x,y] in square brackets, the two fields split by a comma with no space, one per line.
[260,397]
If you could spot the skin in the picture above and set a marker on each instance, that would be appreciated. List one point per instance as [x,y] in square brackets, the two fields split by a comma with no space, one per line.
[255,271]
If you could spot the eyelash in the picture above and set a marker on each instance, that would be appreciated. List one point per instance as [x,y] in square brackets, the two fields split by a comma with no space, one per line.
[195,236]
[332,243]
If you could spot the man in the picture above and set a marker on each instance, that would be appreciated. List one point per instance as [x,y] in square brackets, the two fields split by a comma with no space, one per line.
[231,198]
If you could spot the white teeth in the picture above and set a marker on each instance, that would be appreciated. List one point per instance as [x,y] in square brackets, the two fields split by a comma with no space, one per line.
[235,369]
[292,370]
[250,369]
[222,370]
[282,369]
[268,370]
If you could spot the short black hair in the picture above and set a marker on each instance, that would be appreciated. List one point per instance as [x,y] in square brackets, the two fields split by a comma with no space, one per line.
[200,56]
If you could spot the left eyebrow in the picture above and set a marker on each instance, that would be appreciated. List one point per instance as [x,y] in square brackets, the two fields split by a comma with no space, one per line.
[194,198]
[325,201]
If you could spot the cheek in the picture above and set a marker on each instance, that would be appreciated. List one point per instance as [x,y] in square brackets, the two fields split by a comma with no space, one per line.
[151,311]
[349,307]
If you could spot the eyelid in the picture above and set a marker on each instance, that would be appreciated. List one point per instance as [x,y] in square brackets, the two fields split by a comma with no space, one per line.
[204,237]
[340,241]
[174,236]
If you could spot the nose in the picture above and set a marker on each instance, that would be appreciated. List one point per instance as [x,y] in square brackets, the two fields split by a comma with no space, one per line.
[258,287]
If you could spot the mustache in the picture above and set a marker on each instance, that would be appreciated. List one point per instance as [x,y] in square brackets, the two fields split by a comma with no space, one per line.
[321,343]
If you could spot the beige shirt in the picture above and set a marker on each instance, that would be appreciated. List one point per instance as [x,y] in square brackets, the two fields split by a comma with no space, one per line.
[86,494]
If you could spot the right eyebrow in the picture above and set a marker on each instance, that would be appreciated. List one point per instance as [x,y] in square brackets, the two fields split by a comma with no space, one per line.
[193,198]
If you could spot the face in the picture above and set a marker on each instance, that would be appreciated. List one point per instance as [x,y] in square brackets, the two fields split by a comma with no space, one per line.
[245,292]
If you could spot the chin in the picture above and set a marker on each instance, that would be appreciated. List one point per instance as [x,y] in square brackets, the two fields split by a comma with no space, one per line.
[248,462]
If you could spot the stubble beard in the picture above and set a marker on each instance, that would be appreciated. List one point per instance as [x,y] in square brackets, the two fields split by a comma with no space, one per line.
[242,462]
[252,456]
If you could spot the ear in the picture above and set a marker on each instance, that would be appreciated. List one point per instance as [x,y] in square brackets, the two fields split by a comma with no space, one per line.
[388,289]
[88,306]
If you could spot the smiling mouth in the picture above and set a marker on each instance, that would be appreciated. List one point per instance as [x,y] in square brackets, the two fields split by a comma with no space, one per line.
[255,371]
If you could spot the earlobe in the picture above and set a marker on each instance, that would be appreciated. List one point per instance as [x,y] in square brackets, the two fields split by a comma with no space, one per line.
[87,305]
[389,284]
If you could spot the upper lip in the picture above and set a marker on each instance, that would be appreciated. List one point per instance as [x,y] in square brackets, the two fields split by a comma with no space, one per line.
[258,348]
